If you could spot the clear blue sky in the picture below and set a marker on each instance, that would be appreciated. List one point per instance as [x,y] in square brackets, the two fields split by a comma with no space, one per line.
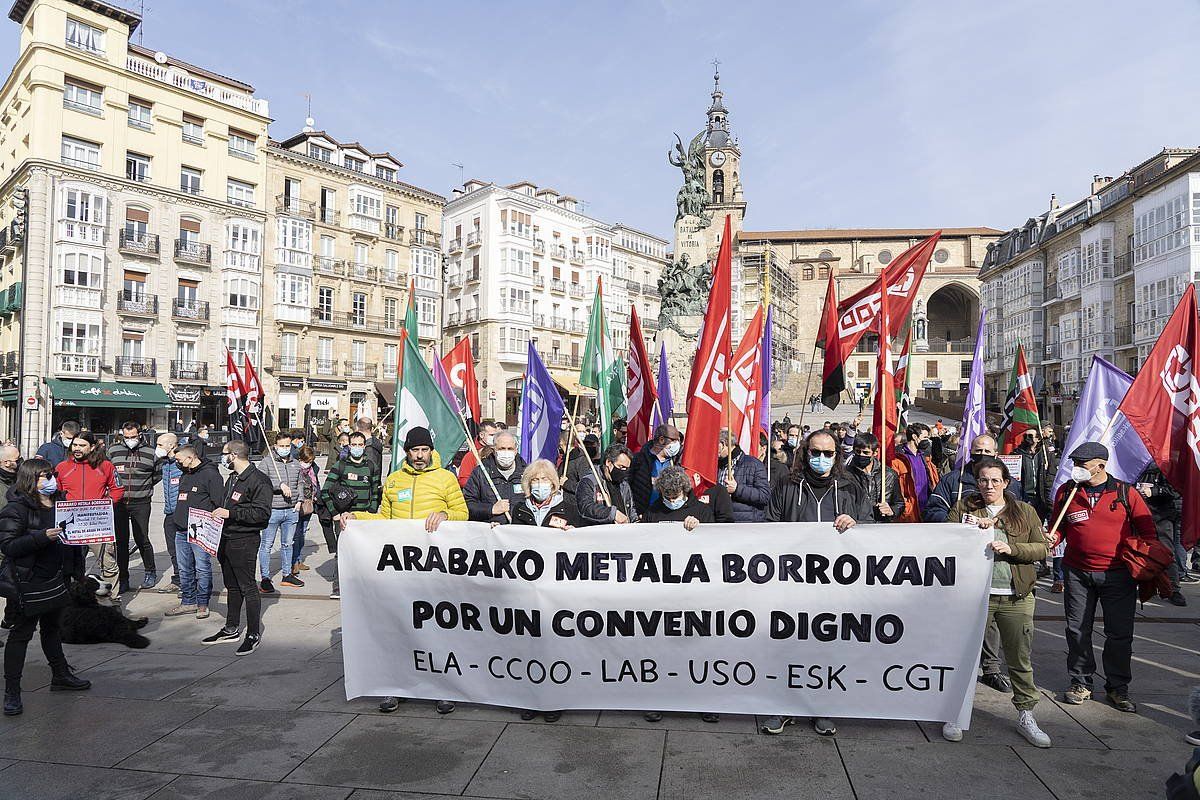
[871,114]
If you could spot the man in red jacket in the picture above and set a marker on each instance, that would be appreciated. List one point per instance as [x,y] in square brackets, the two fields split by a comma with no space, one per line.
[1102,513]
[87,474]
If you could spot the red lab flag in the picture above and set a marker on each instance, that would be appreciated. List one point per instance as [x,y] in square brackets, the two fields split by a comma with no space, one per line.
[884,418]
[459,364]
[254,390]
[745,387]
[710,373]
[640,396]
[833,373]
[234,389]
[1163,405]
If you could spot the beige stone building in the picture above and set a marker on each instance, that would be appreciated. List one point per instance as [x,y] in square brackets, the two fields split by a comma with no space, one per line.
[345,239]
[132,212]
[1097,277]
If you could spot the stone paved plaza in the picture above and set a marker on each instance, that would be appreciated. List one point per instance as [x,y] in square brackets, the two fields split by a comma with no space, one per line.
[180,720]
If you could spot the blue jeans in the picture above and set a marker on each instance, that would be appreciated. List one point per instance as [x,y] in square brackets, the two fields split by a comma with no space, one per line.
[298,539]
[283,520]
[194,568]
[1059,575]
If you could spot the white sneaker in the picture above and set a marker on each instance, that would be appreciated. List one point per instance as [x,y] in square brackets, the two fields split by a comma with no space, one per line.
[1028,727]
[951,732]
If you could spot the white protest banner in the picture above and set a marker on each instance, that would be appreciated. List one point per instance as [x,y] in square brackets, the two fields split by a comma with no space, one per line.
[1013,462]
[883,621]
[85,521]
[204,530]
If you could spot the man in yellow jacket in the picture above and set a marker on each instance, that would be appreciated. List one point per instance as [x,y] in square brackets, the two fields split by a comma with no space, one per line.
[420,488]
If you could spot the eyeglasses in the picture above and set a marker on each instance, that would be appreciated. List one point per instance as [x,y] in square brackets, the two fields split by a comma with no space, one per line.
[990,481]
[48,474]
[830,453]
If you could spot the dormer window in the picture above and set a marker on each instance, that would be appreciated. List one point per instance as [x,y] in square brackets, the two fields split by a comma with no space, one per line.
[385,174]
[82,36]
[319,153]
[356,164]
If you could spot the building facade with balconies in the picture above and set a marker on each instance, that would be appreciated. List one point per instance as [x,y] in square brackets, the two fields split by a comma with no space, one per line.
[1106,271]
[523,263]
[141,179]
[346,239]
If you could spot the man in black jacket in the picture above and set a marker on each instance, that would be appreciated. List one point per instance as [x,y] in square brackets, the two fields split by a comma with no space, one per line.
[746,482]
[659,453]
[200,487]
[494,501]
[867,471]
[246,509]
[139,470]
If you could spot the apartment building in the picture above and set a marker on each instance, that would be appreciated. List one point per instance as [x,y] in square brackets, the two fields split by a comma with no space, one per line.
[1099,276]
[523,263]
[345,240]
[132,214]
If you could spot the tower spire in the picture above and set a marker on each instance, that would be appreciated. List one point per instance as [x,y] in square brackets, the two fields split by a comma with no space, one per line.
[717,130]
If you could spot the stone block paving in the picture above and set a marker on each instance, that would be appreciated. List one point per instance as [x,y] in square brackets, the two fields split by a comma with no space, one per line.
[179,721]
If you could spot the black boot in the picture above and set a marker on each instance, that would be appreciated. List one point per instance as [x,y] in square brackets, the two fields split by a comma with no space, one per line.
[12,698]
[65,681]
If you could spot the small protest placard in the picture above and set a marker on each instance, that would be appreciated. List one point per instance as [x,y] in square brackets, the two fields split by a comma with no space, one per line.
[204,530]
[1013,462]
[85,521]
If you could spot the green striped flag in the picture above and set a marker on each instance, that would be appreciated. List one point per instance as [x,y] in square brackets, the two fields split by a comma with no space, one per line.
[601,370]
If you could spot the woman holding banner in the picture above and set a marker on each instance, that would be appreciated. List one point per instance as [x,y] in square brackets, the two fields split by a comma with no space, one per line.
[545,503]
[676,502]
[1019,543]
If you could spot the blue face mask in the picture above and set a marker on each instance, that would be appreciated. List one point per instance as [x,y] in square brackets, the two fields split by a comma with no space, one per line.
[50,487]
[820,464]
[540,491]
[675,504]
[283,452]
[357,452]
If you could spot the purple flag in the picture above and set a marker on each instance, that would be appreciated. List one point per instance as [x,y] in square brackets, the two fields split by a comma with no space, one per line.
[444,386]
[974,413]
[1098,420]
[666,403]
[541,412]
[764,416]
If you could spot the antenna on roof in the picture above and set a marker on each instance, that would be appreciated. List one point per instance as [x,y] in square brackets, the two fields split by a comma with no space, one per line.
[142,24]
[461,177]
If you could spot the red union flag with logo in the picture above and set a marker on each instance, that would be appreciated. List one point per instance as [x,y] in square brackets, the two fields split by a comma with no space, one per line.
[710,372]
[639,386]
[1163,405]
[745,387]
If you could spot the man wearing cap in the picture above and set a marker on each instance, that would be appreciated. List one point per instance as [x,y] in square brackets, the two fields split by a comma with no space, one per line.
[420,489]
[1099,515]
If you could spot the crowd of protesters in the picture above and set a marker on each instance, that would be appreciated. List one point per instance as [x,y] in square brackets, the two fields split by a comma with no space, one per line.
[832,474]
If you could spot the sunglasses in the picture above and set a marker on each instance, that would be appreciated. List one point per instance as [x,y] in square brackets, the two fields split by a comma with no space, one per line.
[49,474]
[829,453]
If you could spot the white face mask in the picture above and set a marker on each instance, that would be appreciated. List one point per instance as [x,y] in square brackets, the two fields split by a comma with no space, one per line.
[160,452]
[506,458]
[132,442]
[672,449]
[1080,474]
[489,439]
[540,490]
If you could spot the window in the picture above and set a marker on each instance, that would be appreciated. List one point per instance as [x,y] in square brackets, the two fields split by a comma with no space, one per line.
[293,290]
[185,351]
[425,268]
[385,173]
[358,309]
[240,348]
[367,205]
[1161,229]
[295,242]
[391,309]
[139,114]
[808,272]
[358,354]
[241,293]
[83,206]
[79,337]
[81,97]
[137,224]
[78,153]
[242,245]
[512,259]
[193,129]
[419,221]
[427,315]
[390,357]
[931,369]
[328,206]
[362,253]
[327,247]
[80,269]
[187,292]
[241,145]
[319,153]
[189,180]
[82,36]
[325,304]
[356,164]
[189,231]
[288,345]
[325,355]
[240,193]
[134,286]
[137,167]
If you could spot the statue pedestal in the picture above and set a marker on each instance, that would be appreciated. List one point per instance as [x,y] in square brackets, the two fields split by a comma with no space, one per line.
[681,352]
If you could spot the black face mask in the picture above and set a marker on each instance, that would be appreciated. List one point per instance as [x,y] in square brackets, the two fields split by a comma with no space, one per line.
[861,461]
[925,446]
[616,474]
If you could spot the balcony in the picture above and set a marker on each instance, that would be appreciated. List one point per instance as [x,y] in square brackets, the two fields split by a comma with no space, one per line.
[1053,352]
[471,315]
[325,366]
[362,272]
[138,303]
[392,276]
[295,207]
[653,324]
[455,281]
[322,265]
[558,323]
[539,247]
[393,231]
[453,318]
[472,276]
[289,365]
[77,365]
[328,216]
[633,287]
[578,327]
[189,310]
[539,320]
[138,244]
[355,369]
[474,238]
[456,245]
[80,163]
[189,370]
[539,281]
[182,79]
[9,363]
[193,252]
[651,290]
[420,237]
[327,318]
[1123,336]
[78,296]
[1122,265]
[951,346]
[135,367]
[556,359]
[577,290]
[558,251]
[557,285]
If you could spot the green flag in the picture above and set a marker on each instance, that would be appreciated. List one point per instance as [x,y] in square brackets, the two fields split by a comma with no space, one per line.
[601,370]
[410,314]
[419,403]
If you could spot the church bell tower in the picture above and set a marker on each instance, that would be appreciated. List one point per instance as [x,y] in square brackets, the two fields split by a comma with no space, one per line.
[722,163]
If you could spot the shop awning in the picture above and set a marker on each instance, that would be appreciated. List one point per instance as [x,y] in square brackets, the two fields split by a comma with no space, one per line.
[570,382]
[386,390]
[107,394]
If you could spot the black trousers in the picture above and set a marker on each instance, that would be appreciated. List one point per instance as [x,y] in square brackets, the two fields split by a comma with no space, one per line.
[132,519]
[239,566]
[329,530]
[18,643]
[1116,592]
[169,531]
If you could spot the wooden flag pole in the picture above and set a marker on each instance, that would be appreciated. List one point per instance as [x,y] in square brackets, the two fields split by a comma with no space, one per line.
[807,384]
[571,439]
[1053,534]
[487,476]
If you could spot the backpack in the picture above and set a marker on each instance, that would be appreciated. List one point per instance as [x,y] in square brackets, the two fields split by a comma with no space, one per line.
[1147,560]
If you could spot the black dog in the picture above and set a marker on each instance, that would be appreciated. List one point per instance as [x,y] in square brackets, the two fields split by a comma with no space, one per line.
[85,621]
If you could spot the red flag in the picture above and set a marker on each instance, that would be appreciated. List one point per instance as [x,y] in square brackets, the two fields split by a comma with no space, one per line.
[1163,405]
[640,396]
[459,364]
[745,387]
[253,389]
[856,314]
[235,390]
[884,418]
[833,373]
[1020,406]
[710,372]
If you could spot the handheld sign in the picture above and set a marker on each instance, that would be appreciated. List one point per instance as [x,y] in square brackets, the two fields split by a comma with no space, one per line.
[85,521]
[204,530]
[1013,462]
